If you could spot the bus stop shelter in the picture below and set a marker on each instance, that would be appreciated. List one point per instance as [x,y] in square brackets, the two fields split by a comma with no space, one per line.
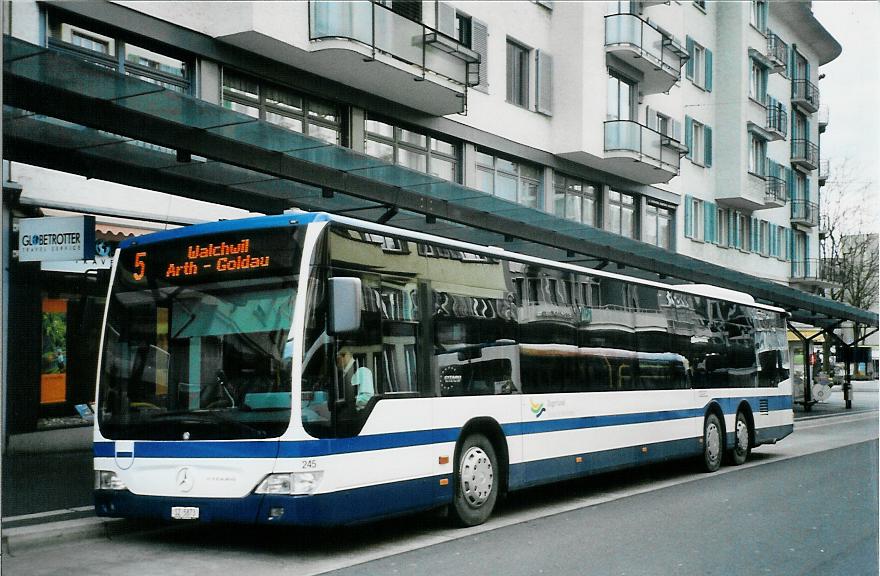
[65,114]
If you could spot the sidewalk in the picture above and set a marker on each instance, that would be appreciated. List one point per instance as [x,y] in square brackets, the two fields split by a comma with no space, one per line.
[47,496]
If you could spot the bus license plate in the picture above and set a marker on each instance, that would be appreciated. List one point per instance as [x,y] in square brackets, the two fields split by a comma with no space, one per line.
[184,513]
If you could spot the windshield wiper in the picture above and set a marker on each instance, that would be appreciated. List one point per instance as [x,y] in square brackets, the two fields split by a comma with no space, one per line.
[206,416]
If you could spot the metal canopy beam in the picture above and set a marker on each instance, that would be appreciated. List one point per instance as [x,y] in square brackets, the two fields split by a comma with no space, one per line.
[64,87]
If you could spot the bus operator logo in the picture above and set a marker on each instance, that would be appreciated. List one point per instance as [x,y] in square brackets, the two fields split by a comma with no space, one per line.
[537,408]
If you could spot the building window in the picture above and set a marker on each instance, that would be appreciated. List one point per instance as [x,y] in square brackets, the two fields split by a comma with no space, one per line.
[694,218]
[764,238]
[510,180]
[463,29]
[758,83]
[574,199]
[722,227]
[658,225]
[698,140]
[699,65]
[758,15]
[282,106]
[412,149]
[621,214]
[411,9]
[757,155]
[621,98]
[117,54]
[742,230]
[517,74]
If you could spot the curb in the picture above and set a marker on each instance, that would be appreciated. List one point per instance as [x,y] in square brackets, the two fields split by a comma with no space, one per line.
[17,540]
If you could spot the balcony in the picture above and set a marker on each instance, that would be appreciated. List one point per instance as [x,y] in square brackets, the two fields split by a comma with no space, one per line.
[805,94]
[777,52]
[805,154]
[804,213]
[641,45]
[824,169]
[639,153]
[777,122]
[775,192]
[824,226]
[815,273]
[367,46]
[824,113]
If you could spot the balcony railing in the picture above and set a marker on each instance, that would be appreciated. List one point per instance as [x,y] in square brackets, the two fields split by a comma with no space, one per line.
[817,270]
[777,51]
[777,120]
[824,169]
[775,191]
[660,51]
[805,94]
[805,153]
[824,115]
[382,30]
[805,213]
[632,137]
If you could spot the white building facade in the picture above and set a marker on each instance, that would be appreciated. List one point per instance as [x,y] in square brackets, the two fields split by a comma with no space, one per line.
[690,125]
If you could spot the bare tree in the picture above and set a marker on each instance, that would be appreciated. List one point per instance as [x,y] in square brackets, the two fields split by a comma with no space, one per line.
[849,244]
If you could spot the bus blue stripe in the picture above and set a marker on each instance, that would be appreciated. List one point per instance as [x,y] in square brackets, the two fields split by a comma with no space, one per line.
[314,448]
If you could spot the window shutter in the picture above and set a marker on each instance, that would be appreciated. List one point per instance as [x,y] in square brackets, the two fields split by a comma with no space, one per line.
[707,136]
[792,185]
[688,217]
[689,136]
[792,69]
[753,234]
[756,234]
[709,222]
[806,195]
[650,118]
[480,45]
[708,70]
[544,73]
[446,19]
[806,135]
[806,71]
[689,67]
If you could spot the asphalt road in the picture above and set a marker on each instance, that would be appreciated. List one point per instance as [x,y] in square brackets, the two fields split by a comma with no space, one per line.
[807,505]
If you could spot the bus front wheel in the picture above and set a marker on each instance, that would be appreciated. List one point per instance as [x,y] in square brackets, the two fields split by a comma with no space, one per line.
[713,443]
[476,481]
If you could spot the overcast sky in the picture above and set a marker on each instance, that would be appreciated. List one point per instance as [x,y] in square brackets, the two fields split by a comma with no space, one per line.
[851,89]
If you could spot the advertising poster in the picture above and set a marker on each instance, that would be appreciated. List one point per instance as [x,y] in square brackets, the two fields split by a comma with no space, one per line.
[53,368]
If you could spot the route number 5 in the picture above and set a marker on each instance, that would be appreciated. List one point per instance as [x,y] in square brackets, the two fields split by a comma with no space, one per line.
[140,266]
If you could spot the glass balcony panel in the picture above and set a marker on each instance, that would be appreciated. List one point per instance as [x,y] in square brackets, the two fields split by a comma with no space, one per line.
[343,20]
[398,36]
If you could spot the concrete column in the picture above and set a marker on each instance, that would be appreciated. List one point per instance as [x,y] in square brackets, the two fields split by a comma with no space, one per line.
[209,81]
[469,165]
[356,130]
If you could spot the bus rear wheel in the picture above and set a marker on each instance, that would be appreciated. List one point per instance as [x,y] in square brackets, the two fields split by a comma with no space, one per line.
[742,444]
[713,443]
[476,481]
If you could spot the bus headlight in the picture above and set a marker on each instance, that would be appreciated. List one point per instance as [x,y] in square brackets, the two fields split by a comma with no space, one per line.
[106,480]
[294,483]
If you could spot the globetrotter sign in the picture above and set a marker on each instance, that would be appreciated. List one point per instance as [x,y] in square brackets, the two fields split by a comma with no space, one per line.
[56,239]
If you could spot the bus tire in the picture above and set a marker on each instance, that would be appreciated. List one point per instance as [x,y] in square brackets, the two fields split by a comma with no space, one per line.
[742,444]
[476,481]
[713,443]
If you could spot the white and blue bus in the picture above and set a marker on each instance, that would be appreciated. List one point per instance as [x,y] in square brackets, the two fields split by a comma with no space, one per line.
[313,369]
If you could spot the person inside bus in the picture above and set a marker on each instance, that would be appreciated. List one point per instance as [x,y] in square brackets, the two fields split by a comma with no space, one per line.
[360,378]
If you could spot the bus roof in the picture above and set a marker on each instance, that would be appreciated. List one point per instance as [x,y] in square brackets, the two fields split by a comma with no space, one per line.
[298,218]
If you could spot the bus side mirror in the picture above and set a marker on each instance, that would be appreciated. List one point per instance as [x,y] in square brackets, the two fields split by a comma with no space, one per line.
[345,305]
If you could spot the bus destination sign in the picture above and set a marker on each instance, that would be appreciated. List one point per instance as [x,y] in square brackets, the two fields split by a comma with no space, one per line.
[203,259]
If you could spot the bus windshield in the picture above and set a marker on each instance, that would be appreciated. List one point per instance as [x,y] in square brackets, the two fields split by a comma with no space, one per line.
[196,344]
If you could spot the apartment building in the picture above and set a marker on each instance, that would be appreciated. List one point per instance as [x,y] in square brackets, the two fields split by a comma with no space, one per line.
[689,125]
